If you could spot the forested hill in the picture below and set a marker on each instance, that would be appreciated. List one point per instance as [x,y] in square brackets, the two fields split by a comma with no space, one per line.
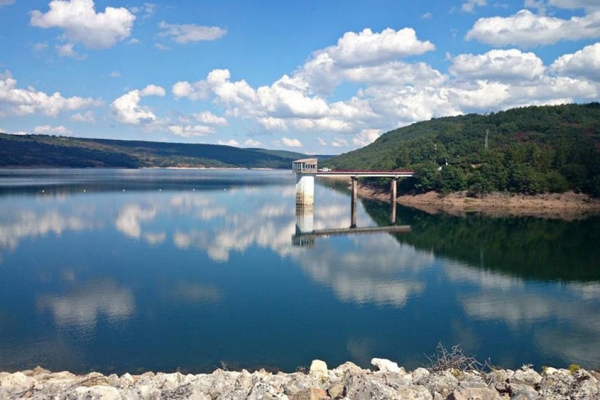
[52,151]
[529,150]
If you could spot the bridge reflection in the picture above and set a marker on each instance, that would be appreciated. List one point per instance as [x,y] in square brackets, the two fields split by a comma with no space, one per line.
[305,234]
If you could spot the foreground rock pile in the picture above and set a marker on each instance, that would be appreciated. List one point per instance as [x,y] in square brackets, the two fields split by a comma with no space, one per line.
[348,381]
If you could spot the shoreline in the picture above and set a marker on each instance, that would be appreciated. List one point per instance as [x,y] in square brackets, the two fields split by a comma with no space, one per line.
[567,205]
[386,380]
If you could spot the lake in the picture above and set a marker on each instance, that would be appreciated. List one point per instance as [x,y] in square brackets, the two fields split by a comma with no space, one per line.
[190,270]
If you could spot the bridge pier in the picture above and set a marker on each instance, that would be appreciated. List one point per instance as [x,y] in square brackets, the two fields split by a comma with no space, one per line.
[353,202]
[394,190]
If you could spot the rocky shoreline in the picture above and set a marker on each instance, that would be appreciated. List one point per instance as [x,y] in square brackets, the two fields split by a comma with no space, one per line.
[386,381]
[550,205]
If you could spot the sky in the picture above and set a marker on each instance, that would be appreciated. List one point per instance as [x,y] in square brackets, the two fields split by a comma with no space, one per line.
[312,76]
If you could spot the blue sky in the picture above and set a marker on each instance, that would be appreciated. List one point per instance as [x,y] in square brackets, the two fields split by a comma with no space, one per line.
[310,76]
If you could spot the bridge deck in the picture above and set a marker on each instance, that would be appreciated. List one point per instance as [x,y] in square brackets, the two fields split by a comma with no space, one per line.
[376,229]
[365,174]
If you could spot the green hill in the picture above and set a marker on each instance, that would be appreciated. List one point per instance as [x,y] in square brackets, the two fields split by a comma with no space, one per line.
[529,150]
[52,151]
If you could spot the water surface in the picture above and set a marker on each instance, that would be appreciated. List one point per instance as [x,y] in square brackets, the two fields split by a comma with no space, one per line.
[136,270]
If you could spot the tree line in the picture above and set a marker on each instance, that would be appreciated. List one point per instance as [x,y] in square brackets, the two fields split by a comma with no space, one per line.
[528,150]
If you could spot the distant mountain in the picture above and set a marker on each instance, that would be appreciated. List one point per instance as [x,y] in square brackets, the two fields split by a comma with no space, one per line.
[526,150]
[68,152]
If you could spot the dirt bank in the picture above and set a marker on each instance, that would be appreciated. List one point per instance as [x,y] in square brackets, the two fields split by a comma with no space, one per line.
[550,205]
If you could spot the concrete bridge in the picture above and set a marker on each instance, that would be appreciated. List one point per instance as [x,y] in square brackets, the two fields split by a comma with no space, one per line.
[306,170]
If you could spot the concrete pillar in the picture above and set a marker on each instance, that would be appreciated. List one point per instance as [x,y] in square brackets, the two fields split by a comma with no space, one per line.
[305,189]
[354,189]
[394,190]
[304,218]
[353,215]
[353,202]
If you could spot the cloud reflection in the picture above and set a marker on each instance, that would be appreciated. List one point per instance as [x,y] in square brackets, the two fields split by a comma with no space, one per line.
[131,217]
[83,306]
[575,325]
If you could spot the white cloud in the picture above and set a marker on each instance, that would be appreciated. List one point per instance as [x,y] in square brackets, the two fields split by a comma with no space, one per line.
[469,5]
[128,110]
[206,117]
[287,142]
[540,5]
[87,116]
[365,137]
[66,50]
[51,130]
[40,47]
[584,63]
[187,33]
[229,142]
[6,2]
[153,90]
[573,4]
[252,143]
[115,74]
[339,142]
[390,93]
[147,9]
[324,69]
[29,101]
[427,15]
[82,24]
[525,29]
[501,65]
[190,130]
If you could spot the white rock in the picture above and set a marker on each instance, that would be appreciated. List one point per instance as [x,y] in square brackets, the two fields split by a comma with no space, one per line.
[97,393]
[419,373]
[384,365]
[414,393]
[318,368]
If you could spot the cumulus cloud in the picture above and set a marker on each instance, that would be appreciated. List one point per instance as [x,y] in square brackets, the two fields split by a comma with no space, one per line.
[287,142]
[127,108]
[186,33]
[325,69]
[187,131]
[469,5]
[87,116]
[252,143]
[391,92]
[14,100]
[365,137]
[526,29]
[66,50]
[499,65]
[584,63]
[82,24]
[229,142]
[206,117]
[52,130]
[573,4]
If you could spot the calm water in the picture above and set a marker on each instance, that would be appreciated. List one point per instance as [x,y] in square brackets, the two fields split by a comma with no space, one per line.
[135,270]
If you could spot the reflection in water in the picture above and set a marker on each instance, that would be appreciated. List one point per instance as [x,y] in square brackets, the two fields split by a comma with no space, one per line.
[83,306]
[195,293]
[17,224]
[188,277]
